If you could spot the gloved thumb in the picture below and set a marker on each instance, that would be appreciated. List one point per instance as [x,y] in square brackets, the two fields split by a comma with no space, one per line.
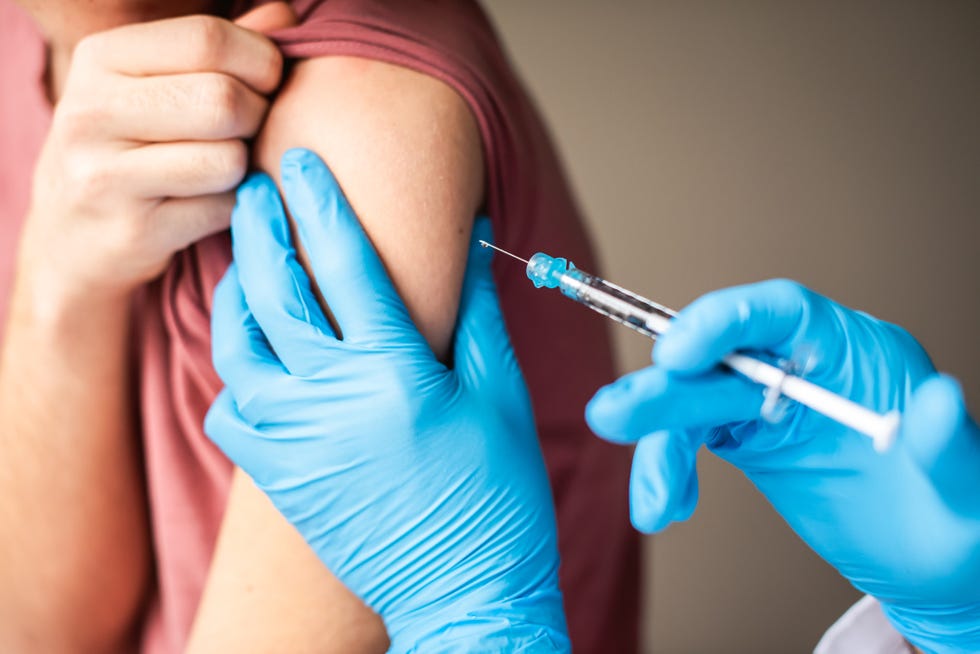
[945,442]
[482,349]
[664,480]
[235,437]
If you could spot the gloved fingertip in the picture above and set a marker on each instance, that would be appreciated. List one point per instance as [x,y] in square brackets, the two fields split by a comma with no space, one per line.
[309,186]
[255,190]
[650,505]
[663,480]
[595,414]
[668,350]
[216,417]
[227,306]
[630,408]
[482,231]
[258,211]
[680,349]
[605,414]
[225,426]
[297,160]
[255,180]
[944,442]
[645,520]
[935,416]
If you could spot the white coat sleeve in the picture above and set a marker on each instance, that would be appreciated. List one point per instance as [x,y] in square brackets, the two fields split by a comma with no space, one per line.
[864,629]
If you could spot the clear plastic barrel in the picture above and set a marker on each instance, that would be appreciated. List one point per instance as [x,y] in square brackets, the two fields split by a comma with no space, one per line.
[637,313]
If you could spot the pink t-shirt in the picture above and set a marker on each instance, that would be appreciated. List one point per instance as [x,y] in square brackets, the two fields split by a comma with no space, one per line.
[531,208]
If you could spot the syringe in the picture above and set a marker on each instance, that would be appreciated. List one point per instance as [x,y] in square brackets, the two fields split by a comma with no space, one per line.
[652,319]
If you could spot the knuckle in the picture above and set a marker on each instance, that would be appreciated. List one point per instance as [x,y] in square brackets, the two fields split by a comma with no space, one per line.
[134,234]
[206,40]
[89,177]
[87,50]
[231,161]
[219,97]
[222,163]
[277,62]
[271,65]
[77,119]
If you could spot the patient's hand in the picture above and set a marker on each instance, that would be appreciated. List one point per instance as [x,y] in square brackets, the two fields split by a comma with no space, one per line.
[145,149]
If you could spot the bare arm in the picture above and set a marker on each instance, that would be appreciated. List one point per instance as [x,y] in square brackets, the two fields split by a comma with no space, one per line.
[74,552]
[407,152]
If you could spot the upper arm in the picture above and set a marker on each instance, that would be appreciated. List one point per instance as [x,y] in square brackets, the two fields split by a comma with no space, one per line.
[406,151]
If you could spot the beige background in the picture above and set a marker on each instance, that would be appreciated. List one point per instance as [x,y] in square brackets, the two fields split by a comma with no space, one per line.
[714,143]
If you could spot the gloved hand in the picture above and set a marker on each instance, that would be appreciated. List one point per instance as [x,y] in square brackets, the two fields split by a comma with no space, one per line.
[421,487]
[903,526]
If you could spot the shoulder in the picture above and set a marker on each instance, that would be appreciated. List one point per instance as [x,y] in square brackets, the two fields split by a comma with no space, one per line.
[360,112]
[406,151]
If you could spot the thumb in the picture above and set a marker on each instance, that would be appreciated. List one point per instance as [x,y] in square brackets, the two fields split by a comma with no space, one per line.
[945,442]
[664,480]
[268,18]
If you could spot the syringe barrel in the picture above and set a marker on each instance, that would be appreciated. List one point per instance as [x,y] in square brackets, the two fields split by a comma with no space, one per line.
[615,302]
[652,319]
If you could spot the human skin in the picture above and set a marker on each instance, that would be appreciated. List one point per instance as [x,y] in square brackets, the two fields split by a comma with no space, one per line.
[266,590]
[118,189]
[419,218]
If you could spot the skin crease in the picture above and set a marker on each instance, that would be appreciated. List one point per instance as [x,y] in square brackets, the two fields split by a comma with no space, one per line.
[267,591]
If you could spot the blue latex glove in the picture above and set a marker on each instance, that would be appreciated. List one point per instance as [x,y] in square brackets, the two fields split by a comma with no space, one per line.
[421,487]
[903,526]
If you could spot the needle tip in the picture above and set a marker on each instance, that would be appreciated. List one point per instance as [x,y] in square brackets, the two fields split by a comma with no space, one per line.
[494,247]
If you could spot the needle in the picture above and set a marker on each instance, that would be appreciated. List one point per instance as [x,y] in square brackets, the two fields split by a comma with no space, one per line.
[487,245]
